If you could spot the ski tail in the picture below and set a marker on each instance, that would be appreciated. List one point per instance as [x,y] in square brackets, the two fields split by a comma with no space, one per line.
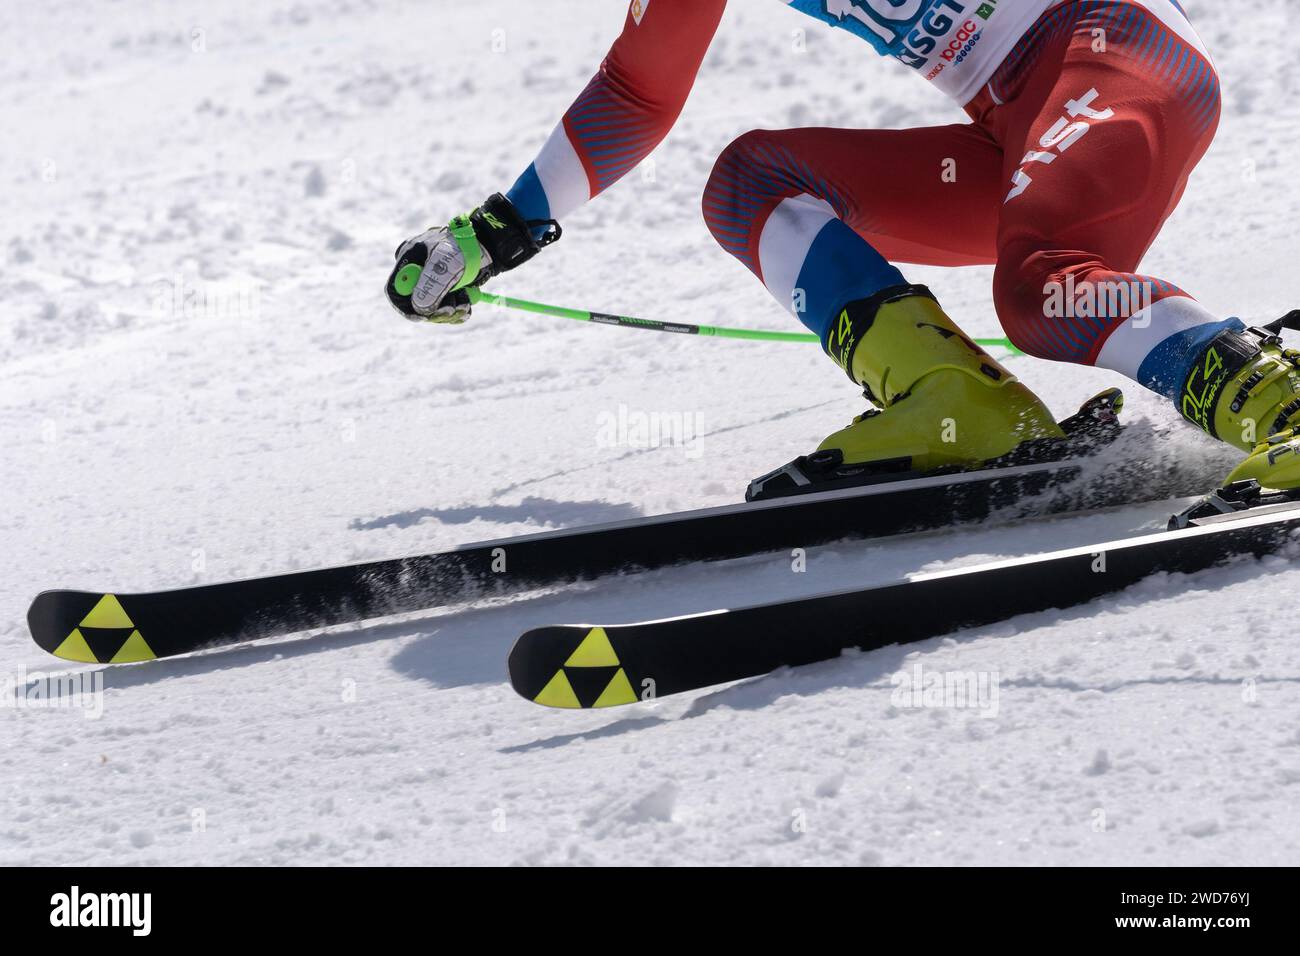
[570,667]
[88,628]
[582,667]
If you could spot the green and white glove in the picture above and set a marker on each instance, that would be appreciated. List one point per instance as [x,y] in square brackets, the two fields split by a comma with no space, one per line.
[436,269]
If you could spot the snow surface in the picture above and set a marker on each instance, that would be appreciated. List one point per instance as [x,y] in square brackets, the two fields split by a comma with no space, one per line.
[271,155]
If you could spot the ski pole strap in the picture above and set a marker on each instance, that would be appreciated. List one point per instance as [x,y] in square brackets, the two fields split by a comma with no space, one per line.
[462,230]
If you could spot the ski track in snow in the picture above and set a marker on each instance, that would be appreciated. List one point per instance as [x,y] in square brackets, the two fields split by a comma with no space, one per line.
[288,148]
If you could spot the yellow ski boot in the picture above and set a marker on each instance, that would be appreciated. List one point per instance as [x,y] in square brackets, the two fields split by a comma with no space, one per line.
[1244,389]
[944,404]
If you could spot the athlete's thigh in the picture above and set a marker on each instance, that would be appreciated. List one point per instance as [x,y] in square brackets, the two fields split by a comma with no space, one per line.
[929,195]
[1098,156]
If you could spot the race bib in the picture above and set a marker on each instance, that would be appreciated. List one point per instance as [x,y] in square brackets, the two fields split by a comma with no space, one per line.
[884,24]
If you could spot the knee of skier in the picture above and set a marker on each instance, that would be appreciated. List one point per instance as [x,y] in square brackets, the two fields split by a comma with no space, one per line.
[726,196]
[1026,283]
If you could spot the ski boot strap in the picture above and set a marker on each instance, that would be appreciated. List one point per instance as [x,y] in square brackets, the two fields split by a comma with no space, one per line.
[1221,363]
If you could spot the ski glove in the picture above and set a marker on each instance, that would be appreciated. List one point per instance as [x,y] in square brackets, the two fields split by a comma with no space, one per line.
[436,269]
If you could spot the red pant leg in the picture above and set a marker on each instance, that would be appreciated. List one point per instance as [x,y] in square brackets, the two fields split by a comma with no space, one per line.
[1106,109]
[927,195]
[812,211]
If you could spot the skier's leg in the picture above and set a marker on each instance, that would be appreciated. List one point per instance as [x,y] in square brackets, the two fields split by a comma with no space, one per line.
[814,213]
[1104,120]
[819,215]
[1110,136]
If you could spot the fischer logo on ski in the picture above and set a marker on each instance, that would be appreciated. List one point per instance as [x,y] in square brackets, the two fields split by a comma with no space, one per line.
[590,676]
[105,634]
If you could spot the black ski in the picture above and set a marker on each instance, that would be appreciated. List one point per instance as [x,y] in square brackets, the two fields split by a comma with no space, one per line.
[116,627]
[600,666]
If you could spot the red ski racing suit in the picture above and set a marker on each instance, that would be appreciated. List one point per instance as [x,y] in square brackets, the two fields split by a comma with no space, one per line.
[1086,119]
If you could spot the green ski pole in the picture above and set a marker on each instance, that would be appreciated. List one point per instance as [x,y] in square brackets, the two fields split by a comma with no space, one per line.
[682,328]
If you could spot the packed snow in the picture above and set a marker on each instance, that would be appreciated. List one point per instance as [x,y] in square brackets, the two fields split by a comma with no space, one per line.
[203,381]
